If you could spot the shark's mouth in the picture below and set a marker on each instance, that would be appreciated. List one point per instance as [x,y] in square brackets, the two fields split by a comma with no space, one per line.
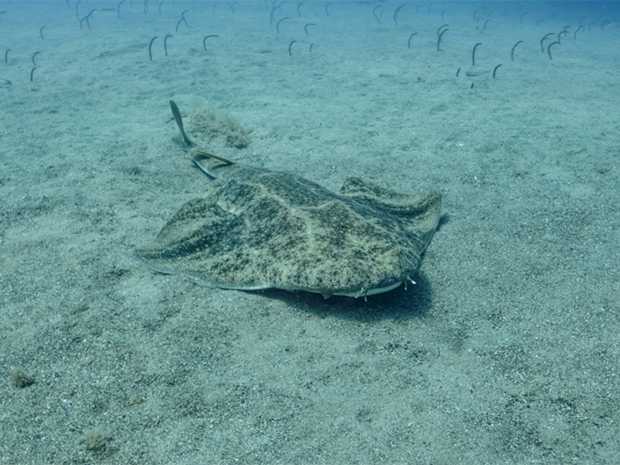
[373,291]
[386,285]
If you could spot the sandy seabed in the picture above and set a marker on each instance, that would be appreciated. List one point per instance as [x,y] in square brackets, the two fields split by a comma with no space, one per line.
[505,352]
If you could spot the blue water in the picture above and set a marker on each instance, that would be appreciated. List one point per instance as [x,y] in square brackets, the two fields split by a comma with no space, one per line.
[504,351]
